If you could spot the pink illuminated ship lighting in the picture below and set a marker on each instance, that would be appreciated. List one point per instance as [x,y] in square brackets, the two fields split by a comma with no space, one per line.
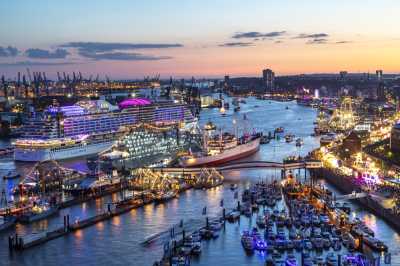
[133,102]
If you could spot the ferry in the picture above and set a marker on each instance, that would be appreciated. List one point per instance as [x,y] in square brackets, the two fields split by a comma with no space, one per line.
[90,127]
[222,151]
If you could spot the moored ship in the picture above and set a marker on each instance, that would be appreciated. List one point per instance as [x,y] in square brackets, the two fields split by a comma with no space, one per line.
[227,149]
[90,127]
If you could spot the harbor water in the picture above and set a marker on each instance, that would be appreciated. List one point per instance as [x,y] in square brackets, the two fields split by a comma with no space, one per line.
[119,241]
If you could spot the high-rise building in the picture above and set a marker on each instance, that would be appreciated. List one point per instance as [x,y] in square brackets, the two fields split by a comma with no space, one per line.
[381,90]
[379,75]
[343,75]
[269,79]
[226,81]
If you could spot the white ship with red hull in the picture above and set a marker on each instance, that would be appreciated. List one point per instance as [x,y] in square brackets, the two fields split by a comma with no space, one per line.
[238,152]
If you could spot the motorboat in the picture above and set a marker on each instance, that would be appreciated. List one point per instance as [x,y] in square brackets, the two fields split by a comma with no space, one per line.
[260,221]
[299,142]
[331,259]
[247,241]
[289,138]
[233,186]
[291,260]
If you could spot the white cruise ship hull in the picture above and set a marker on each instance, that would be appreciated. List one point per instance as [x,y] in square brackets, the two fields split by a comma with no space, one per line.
[238,152]
[37,155]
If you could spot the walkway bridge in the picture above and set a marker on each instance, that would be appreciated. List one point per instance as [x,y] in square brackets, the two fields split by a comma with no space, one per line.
[308,164]
[352,196]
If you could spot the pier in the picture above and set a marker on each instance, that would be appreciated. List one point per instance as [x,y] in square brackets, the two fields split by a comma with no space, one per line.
[345,185]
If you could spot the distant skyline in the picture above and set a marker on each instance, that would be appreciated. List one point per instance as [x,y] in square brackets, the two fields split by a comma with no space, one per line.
[201,38]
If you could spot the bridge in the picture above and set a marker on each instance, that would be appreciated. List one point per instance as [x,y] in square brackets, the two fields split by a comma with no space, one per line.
[352,196]
[308,164]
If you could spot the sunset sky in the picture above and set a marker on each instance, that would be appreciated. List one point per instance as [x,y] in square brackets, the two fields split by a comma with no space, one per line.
[202,38]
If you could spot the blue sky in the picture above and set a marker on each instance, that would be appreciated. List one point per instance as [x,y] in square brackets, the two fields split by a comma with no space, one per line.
[360,35]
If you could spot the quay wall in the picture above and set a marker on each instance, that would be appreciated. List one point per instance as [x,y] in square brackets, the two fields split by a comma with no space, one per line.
[344,184]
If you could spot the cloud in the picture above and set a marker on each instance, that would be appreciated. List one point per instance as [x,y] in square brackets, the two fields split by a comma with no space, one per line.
[46,54]
[108,47]
[256,34]
[236,44]
[342,42]
[8,51]
[123,56]
[37,63]
[317,41]
[113,51]
[312,36]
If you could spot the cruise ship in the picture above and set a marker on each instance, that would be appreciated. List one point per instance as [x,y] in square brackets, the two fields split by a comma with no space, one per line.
[92,126]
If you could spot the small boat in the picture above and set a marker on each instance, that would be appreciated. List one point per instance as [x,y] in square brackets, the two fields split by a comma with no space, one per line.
[289,245]
[290,260]
[336,244]
[259,244]
[236,109]
[327,243]
[289,138]
[164,196]
[247,242]
[318,243]
[210,126]
[292,234]
[324,219]
[298,244]
[331,259]
[315,220]
[374,243]
[264,140]
[279,130]
[234,186]
[196,249]
[299,142]
[260,221]
[11,175]
[215,226]
[280,245]
[319,260]
[233,215]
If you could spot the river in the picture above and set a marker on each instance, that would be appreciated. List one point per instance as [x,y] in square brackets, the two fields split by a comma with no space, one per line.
[118,241]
